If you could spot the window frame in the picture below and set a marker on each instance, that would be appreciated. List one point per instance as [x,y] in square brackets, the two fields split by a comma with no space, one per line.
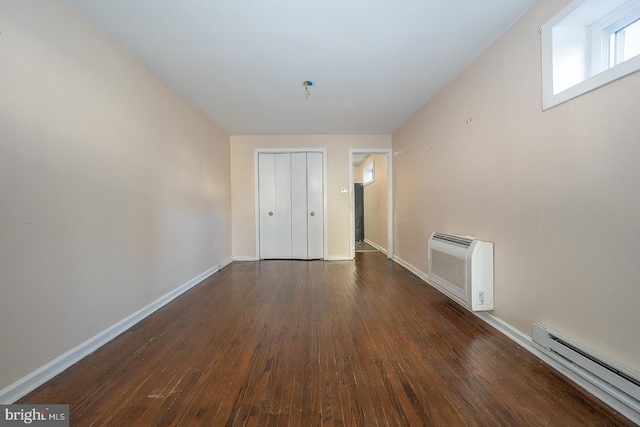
[365,169]
[595,75]
[610,37]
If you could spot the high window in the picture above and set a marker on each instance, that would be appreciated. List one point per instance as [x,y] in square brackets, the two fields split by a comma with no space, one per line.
[623,41]
[588,44]
[368,173]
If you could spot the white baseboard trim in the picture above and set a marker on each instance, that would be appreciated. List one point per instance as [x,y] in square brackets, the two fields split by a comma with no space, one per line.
[250,258]
[245,258]
[411,268]
[222,265]
[378,247]
[601,390]
[621,403]
[43,374]
[338,258]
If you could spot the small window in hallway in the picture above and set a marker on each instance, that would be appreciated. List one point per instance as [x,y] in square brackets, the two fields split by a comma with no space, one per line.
[368,175]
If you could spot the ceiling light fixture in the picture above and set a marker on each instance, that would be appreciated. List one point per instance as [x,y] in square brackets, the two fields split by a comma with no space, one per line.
[307,84]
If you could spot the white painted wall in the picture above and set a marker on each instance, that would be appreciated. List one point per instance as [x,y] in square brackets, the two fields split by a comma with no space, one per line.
[558,191]
[113,189]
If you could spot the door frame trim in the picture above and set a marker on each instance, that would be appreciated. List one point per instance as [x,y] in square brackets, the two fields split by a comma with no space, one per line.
[256,152]
[352,218]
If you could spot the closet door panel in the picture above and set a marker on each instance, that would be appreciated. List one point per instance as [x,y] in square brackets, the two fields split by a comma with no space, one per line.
[315,206]
[282,209]
[299,205]
[267,200]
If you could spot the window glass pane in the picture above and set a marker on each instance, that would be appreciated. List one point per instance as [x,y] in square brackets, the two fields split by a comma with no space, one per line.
[631,40]
[583,44]
[367,173]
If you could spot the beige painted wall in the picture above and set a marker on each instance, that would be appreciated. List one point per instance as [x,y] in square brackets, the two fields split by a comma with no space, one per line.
[357,174]
[376,196]
[558,192]
[113,189]
[243,183]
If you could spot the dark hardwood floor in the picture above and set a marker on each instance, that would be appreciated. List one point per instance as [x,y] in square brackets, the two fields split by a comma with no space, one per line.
[294,343]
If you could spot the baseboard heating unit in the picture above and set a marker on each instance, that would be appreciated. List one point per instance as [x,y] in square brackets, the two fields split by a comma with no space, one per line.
[618,381]
[462,268]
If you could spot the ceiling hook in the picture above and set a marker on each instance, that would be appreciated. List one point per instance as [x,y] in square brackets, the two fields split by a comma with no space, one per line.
[307,84]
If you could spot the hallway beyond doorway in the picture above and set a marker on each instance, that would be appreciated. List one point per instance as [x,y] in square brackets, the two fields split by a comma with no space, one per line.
[362,246]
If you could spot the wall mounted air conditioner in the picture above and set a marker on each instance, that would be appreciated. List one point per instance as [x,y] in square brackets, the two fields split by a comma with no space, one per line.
[462,268]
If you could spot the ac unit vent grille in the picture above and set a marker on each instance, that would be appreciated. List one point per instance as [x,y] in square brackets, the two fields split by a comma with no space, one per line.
[462,267]
[450,267]
[451,238]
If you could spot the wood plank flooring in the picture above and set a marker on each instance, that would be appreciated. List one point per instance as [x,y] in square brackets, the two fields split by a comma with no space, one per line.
[362,246]
[294,343]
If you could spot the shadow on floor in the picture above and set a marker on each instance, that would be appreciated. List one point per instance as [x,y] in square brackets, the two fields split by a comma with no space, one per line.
[362,246]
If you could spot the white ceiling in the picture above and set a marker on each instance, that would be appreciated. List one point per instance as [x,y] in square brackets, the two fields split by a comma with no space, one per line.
[374,63]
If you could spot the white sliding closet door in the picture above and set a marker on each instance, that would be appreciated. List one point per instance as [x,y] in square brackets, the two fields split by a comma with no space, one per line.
[267,201]
[291,198]
[299,205]
[274,175]
[315,206]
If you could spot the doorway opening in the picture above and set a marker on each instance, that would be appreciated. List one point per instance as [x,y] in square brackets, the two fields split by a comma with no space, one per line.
[371,208]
